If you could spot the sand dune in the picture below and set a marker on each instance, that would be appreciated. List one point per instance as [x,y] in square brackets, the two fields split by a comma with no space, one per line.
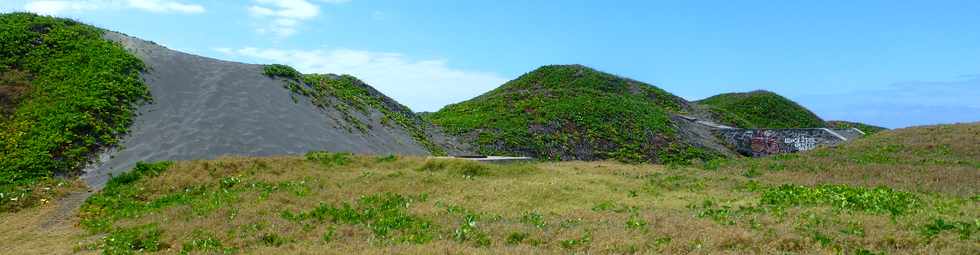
[204,108]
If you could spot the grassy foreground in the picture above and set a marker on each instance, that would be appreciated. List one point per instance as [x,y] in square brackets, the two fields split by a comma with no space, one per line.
[898,192]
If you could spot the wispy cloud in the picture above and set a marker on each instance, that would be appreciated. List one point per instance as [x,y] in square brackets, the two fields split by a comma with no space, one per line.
[423,85]
[283,17]
[56,7]
[165,6]
[904,104]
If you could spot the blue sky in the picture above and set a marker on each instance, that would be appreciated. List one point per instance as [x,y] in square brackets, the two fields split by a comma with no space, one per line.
[889,63]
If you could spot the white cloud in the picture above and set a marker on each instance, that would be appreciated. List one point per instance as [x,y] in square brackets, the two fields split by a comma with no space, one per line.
[55,7]
[165,6]
[423,85]
[282,17]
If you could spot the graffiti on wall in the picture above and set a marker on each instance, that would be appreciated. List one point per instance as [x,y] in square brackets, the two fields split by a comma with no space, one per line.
[764,143]
[801,142]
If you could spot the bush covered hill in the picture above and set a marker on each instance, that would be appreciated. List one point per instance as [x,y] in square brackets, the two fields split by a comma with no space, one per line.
[760,109]
[65,93]
[570,112]
[866,128]
[905,191]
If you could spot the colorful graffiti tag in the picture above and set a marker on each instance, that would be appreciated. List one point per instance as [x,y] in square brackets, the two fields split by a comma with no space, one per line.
[801,142]
[764,143]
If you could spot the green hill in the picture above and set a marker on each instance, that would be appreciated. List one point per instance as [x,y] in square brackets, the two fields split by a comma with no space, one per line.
[65,93]
[570,112]
[867,129]
[760,109]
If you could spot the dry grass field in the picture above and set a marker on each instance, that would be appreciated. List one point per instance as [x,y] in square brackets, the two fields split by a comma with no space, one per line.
[907,191]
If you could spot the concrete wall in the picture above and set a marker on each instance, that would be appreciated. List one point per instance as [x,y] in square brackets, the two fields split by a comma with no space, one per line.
[764,142]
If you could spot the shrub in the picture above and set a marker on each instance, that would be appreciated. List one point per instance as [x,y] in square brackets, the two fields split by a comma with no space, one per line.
[282,71]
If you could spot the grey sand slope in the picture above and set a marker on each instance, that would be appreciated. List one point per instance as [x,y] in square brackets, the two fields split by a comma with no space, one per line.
[204,108]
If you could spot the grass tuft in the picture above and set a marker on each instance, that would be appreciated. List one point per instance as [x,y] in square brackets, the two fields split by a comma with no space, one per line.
[329,159]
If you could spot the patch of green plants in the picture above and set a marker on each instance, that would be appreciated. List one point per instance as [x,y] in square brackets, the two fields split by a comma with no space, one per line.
[874,200]
[17,197]
[145,238]
[556,112]
[124,197]
[204,242]
[584,240]
[723,214]
[534,219]
[272,240]
[685,155]
[516,238]
[386,158]
[469,232]
[761,109]
[282,71]
[120,198]
[964,229]
[635,222]
[330,158]
[725,117]
[470,169]
[82,97]
[660,182]
[386,215]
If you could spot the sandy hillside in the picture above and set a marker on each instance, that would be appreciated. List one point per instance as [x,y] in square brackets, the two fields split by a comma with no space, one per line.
[204,108]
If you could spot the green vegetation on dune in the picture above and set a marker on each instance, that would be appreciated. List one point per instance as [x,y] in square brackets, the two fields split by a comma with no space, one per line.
[760,109]
[76,94]
[867,129]
[353,95]
[570,112]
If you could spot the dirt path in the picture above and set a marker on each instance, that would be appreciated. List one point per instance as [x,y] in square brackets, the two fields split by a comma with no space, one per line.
[46,229]
[66,209]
